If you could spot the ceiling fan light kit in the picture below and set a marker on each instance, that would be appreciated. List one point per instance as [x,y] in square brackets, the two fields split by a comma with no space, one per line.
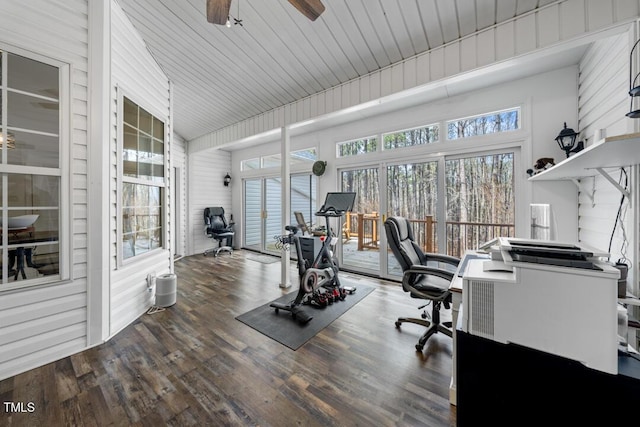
[218,10]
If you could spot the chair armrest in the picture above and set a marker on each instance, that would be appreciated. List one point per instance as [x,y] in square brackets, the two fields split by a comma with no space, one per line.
[433,271]
[436,293]
[447,259]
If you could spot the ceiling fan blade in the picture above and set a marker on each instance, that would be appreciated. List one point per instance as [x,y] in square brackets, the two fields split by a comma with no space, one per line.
[218,11]
[309,8]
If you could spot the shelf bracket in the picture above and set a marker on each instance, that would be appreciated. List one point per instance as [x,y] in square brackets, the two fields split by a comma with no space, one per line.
[588,193]
[613,182]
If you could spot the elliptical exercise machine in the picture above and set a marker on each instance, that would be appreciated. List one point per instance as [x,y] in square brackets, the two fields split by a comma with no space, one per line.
[319,282]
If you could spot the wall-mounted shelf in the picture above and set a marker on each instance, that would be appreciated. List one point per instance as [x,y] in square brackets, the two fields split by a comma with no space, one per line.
[612,152]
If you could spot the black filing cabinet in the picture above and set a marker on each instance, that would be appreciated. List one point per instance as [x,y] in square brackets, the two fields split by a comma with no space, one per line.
[511,385]
[310,248]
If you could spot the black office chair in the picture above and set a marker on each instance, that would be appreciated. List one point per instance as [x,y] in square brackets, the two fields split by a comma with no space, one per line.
[216,227]
[423,276]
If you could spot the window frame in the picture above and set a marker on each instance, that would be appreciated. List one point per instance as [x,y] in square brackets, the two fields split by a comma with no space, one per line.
[63,172]
[122,93]
[435,125]
[374,137]
[517,109]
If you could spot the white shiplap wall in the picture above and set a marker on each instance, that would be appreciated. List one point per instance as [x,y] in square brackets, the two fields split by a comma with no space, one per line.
[42,324]
[603,102]
[206,171]
[138,76]
[178,157]
[549,26]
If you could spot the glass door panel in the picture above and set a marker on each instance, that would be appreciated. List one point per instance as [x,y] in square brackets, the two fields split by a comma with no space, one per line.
[361,229]
[273,209]
[480,200]
[412,192]
[253,214]
[303,198]
[262,213]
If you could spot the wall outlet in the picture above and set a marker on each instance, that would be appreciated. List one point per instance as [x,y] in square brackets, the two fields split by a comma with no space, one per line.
[151,281]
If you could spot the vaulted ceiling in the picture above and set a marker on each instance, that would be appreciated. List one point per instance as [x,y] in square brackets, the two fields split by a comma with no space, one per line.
[223,75]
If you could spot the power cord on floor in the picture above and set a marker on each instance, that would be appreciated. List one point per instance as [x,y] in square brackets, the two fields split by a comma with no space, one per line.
[155,309]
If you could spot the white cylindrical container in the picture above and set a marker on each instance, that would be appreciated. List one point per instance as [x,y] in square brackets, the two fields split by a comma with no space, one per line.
[166,287]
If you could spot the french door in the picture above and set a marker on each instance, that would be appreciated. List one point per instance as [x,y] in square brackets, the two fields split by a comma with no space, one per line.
[262,214]
[263,209]
[454,203]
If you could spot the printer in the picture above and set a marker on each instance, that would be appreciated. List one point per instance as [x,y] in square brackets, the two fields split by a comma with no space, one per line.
[554,297]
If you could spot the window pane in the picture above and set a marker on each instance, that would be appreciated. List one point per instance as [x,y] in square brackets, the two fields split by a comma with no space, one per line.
[141,219]
[32,76]
[32,149]
[250,164]
[359,146]
[412,192]
[130,113]
[143,156]
[501,121]
[158,129]
[33,227]
[33,191]
[1,82]
[145,121]
[304,156]
[411,137]
[478,213]
[303,197]
[271,161]
[31,113]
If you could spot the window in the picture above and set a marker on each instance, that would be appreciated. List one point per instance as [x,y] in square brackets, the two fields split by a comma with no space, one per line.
[272,161]
[307,155]
[411,137]
[250,164]
[30,169]
[303,197]
[501,121]
[143,177]
[358,146]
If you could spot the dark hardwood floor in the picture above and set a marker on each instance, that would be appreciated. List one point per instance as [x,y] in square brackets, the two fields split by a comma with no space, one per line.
[195,364]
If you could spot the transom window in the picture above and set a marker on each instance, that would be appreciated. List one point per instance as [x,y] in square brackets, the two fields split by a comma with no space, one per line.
[499,121]
[412,137]
[274,160]
[357,146]
[30,169]
[143,181]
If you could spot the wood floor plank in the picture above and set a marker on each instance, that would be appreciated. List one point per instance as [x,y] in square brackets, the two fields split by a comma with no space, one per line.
[195,364]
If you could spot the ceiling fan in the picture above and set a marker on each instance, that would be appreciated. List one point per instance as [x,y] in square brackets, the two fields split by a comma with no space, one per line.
[218,10]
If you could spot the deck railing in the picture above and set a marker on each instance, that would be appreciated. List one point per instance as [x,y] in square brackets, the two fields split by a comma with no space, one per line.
[460,235]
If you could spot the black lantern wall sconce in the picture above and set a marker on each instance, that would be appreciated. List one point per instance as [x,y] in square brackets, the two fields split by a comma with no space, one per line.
[634,88]
[566,139]
[227,180]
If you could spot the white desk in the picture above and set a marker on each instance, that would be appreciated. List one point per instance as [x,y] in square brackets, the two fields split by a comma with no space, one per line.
[456,300]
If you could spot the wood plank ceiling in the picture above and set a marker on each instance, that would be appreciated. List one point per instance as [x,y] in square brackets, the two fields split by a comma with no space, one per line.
[225,75]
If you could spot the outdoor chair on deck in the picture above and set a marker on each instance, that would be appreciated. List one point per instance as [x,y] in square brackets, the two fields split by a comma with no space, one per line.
[422,276]
[302,224]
